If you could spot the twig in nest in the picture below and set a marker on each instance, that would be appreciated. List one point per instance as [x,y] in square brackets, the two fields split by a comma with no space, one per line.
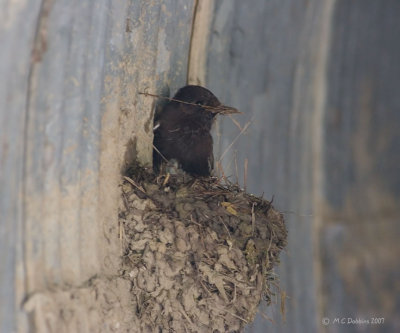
[246,163]
[126,203]
[234,294]
[205,288]
[185,315]
[231,313]
[227,230]
[267,261]
[266,317]
[222,109]
[236,168]
[166,179]
[253,218]
[219,165]
[283,303]
[131,181]
[276,285]
[159,153]
[122,237]
[235,122]
[235,139]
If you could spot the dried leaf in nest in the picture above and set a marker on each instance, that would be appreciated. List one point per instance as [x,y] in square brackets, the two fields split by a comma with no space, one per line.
[200,255]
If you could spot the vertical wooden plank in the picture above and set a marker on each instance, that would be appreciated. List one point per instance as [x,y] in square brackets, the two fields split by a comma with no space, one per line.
[62,146]
[18,21]
[361,213]
[70,117]
[90,44]
[319,82]
[266,59]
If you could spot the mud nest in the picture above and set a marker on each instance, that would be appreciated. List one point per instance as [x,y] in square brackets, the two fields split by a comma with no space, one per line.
[199,254]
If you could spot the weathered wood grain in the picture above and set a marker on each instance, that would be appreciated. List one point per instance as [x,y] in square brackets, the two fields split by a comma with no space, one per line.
[317,80]
[71,117]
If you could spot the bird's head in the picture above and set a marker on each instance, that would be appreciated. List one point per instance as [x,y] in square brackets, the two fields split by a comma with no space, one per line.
[197,100]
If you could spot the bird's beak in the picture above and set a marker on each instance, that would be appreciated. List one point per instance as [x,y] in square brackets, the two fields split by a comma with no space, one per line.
[223,109]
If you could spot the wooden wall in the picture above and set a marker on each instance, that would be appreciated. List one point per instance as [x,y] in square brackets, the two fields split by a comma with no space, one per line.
[318,82]
[71,117]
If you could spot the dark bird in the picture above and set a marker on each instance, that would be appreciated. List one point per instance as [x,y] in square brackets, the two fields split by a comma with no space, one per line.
[182,130]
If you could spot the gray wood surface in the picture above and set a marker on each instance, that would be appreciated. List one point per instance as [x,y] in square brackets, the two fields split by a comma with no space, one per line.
[359,240]
[318,80]
[70,118]
[17,34]
[261,61]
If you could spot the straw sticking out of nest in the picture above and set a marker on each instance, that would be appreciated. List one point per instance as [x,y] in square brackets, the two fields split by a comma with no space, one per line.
[200,255]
